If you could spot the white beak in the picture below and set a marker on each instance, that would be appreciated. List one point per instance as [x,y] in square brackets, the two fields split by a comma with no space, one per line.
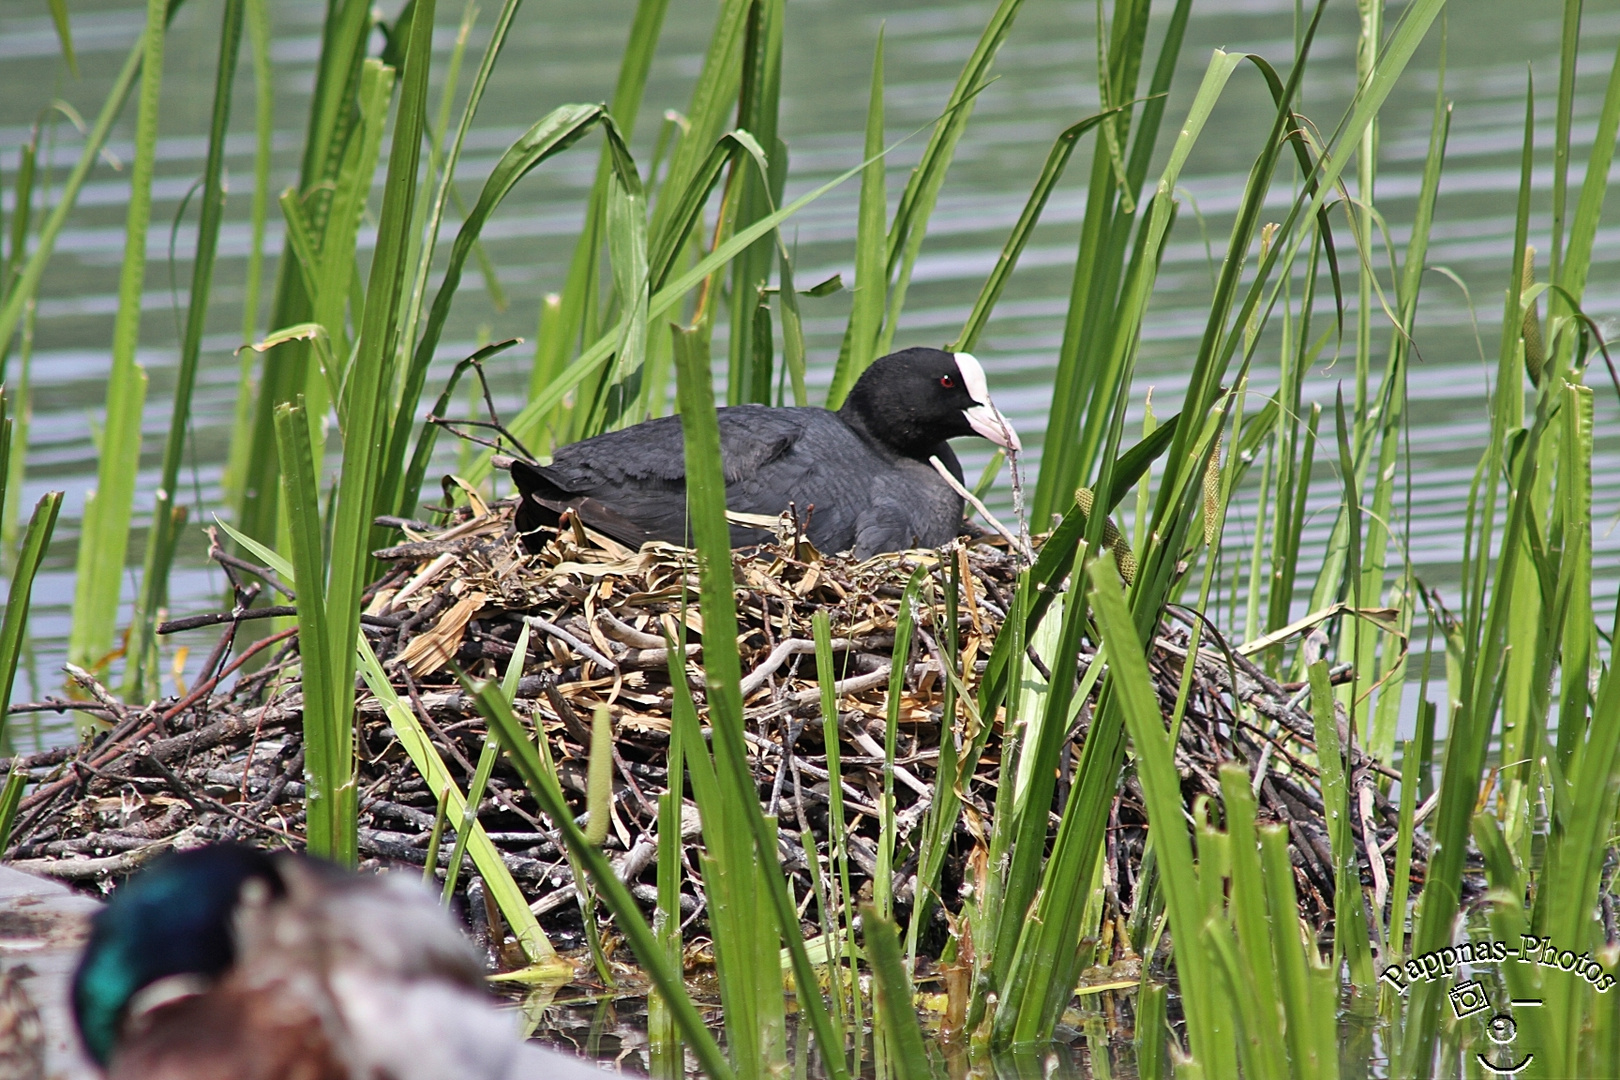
[984,417]
[987,420]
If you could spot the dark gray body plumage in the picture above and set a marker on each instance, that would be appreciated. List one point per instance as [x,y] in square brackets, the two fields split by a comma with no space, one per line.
[866,496]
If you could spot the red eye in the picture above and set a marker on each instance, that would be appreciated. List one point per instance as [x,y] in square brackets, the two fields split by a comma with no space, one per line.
[947,382]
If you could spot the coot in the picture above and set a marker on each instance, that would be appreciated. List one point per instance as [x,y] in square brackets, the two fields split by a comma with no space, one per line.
[860,474]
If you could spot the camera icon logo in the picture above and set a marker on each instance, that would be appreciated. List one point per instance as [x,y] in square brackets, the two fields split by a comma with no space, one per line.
[1468,998]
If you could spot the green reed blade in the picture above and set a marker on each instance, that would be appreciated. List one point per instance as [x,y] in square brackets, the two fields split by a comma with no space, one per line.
[1401,882]
[883,880]
[1151,1032]
[325,247]
[1485,627]
[264,118]
[1589,207]
[13,627]
[750,371]
[1218,345]
[27,283]
[663,1036]
[627,256]
[104,534]
[1251,962]
[944,808]
[430,863]
[346,25]
[1574,863]
[745,937]
[1103,751]
[1259,1042]
[469,816]
[434,213]
[1064,475]
[328,768]
[1035,955]
[509,899]
[706,490]
[526,425]
[368,383]
[140,681]
[599,777]
[1156,769]
[285,372]
[301,242]
[1310,1053]
[1290,530]
[679,222]
[1349,904]
[663,1032]
[425,232]
[1101,258]
[1564,117]
[1391,410]
[793,350]
[554,133]
[1579,651]
[821,628]
[896,1016]
[8,439]
[481,774]
[707,115]
[665,976]
[22,202]
[1508,922]
[683,715]
[1036,592]
[559,329]
[64,35]
[871,250]
[910,224]
[10,798]
[1056,160]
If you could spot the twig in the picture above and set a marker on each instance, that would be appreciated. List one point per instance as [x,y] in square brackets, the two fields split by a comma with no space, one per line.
[1019,545]
[785,648]
[203,689]
[570,640]
[214,618]
[89,869]
[146,757]
[245,614]
[264,573]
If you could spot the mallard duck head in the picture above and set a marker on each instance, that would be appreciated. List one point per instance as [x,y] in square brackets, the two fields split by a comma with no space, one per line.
[171,921]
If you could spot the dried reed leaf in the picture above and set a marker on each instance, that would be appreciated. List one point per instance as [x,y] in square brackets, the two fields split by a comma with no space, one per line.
[431,650]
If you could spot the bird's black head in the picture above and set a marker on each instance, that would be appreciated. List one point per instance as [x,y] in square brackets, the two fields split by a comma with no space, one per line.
[915,399]
[172,918]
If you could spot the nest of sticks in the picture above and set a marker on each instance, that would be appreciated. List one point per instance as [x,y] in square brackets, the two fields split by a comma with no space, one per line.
[226,760]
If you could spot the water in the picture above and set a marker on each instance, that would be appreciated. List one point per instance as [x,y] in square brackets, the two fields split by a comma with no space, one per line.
[567,50]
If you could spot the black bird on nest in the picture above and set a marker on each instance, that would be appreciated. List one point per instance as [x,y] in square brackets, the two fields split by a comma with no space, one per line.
[863,472]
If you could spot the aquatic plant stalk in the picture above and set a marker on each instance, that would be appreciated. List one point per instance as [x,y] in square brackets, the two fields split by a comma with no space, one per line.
[104,534]
[139,672]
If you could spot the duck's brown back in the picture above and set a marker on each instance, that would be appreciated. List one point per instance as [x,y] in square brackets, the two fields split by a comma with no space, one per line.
[230,1033]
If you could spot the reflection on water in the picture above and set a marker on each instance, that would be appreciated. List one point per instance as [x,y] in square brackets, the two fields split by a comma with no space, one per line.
[565,51]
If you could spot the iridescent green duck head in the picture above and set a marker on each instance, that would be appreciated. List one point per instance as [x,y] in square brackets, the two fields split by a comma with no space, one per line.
[226,962]
[172,921]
